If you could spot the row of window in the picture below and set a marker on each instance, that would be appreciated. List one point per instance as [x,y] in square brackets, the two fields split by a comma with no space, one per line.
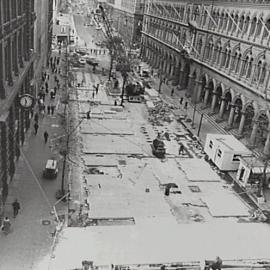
[13,8]
[235,157]
[232,59]
[223,21]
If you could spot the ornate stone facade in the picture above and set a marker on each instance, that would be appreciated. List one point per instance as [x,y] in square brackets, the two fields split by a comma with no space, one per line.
[17,56]
[127,16]
[219,53]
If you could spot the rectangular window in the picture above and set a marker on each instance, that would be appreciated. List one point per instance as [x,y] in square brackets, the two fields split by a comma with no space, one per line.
[13,9]
[6,10]
[219,153]
[236,157]
[211,144]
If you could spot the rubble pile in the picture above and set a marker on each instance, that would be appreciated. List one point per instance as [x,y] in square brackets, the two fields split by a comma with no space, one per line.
[160,113]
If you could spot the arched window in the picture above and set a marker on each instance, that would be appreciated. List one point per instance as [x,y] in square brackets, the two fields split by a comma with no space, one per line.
[259,27]
[260,72]
[249,68]
[199,46]
[234,59]
[225,22]
[238,62]
[204,18]
[218,54]
[211,48]
[235,23]
[266,31]
[244,66]
[221,22]
[246,25]
[241,23]
[228,57]
[230,23]
[253,26]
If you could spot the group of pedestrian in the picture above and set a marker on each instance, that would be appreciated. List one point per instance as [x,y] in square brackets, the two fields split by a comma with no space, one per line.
[54,63]
[181,100]
[6,224]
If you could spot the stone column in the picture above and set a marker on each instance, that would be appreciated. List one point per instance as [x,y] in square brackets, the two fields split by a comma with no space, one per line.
[222,107]
[197,89]
[231,116]
[242,123]
[266,149]
[254,133]
[206,95]
[214,101]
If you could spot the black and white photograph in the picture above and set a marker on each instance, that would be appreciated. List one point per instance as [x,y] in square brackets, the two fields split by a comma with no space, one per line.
[134,134]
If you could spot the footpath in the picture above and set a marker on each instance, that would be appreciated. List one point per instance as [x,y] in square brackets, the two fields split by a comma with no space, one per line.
[32,231]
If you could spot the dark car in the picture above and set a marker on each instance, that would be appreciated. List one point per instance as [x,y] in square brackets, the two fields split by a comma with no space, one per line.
[91,61]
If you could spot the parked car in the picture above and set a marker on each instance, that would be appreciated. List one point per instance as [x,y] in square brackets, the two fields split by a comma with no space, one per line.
[51,169]
[91,61]
[81,51]
[82,61]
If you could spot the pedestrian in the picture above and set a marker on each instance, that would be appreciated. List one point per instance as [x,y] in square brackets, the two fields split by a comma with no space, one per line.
[36,126]
[181,149]
[48,77]
[115,102]
[46,86]
[6,225]
[52,95]
[172,92]
[181,100]
[36,117]
[48,109]
[93,95]
[55,89]
[16,207]
[58,60]
[186,105]
[52,109]
[46,136]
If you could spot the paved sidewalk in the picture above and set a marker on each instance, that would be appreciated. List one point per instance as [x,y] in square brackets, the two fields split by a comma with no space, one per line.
[31,236]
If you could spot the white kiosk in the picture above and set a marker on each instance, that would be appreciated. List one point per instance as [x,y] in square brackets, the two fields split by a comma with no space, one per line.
[225,151]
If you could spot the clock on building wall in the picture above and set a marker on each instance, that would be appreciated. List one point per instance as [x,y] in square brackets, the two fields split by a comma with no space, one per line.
[26,101]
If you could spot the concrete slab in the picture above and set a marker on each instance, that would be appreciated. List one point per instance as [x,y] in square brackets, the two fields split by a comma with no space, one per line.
[118,197]
[106,245]
[91,160]
[198,170]
[225,204]
[107,127]
[111,144]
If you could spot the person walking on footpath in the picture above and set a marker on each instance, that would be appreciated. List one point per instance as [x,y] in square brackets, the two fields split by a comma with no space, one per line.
[16,207]
[36,117]
[181,100]
[6,226]
[186,105]
[46,136]
[172,92]
[36,126]
[48,109]
[52,109]
[93,95]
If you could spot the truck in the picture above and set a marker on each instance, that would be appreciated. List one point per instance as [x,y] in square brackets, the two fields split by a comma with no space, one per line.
[158,147]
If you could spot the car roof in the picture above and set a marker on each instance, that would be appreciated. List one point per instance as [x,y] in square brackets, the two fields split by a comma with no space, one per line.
[51,164]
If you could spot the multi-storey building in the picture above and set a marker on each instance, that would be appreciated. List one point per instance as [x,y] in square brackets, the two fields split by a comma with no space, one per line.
[17,57]
[218,51]
[127,17]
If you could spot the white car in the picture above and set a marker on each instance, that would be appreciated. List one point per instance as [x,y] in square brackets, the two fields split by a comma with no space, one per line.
[82,61]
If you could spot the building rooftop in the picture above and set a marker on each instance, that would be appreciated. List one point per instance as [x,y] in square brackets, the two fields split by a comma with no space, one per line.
[230,142]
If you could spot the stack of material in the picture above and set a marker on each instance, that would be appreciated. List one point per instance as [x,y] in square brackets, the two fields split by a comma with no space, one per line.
[161,113]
